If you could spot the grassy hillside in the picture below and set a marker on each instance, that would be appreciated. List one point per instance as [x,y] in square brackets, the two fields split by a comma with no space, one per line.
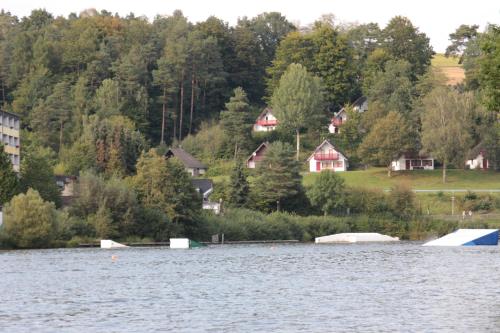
[449,67]
[376,178]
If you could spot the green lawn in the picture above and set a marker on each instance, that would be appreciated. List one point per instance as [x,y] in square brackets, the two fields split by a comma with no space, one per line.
[376,178]
[439,60]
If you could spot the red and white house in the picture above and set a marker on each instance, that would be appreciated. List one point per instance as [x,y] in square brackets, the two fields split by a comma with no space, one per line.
[360,105]
[266,121]
[257,155]
[327,157]
[412,161]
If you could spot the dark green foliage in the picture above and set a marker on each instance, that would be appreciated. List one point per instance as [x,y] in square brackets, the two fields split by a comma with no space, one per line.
[109,207]
[239,188]
[8,179]
[29,228]
[327,192]
[36,173]
[278,182]
[235,122]
[489,68]
[459,40]
[403,41]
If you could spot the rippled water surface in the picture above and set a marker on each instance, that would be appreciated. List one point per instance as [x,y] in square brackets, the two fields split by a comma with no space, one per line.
[253,288]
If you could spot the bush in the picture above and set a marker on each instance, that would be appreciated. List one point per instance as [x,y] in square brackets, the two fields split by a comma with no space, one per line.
[29,221]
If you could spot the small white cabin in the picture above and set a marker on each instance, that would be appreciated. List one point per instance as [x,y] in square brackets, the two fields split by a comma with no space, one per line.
[327,157]
[266,121]
[478,158]
[409,161]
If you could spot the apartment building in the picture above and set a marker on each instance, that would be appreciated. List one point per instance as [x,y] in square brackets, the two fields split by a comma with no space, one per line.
[10,138]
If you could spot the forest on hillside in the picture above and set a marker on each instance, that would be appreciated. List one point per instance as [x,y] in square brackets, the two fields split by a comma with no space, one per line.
[102,96]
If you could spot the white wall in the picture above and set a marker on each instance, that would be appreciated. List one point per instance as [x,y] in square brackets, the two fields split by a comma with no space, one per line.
[312,165]
[476,163]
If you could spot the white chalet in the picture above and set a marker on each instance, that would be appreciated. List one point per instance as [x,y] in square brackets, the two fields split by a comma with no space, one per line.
[327,157]
[266,121]
[411,161]
[478,158]
[360,105]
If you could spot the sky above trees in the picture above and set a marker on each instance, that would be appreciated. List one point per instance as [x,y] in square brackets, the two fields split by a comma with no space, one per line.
[435,18]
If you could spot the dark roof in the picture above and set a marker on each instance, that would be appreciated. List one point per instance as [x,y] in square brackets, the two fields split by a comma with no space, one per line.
[187,159]
[262,145]
[202,185]
[10,114]
[359,102]
[411,154]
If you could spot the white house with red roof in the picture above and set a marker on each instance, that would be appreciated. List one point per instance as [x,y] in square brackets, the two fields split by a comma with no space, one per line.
[266,121]
[413,161]
[327,157]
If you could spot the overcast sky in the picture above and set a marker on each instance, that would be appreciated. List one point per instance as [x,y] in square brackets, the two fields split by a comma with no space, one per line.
[437,18]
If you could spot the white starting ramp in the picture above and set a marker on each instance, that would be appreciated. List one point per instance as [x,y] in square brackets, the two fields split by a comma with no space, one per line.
[467,237]
[109,244]
[355,237]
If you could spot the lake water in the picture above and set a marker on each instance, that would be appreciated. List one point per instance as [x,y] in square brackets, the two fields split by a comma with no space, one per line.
[253,288]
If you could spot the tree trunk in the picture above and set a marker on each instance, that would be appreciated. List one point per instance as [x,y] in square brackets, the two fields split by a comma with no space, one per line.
[192,101]
[204,99]
[61,135]
[297,131]
[164,111]
[181,111]
[444,172]
[389,169]
[235,151]
[174,120]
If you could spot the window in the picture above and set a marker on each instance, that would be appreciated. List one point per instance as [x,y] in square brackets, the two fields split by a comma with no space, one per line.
[339,164]
[416,163]
[427,163]
[326,165]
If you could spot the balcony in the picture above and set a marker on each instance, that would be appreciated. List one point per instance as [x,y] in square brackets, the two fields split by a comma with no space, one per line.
[267,122]
[332,156]
[336,121]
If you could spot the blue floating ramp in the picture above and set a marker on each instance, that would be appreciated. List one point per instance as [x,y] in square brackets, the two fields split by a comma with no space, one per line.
[467,237]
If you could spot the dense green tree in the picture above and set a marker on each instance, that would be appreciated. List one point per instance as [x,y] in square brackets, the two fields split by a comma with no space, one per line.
[327,192]
[8,179]
[445,126]
[52,118]
[351,135]
[393,87]
[235,121]
[325,53]
[403,41]
[459,40]
[29,228]
[489,68]
[386,141]
[110,207]
[37,164]
[278,182]
[298,101]
[164,185]
[239,188]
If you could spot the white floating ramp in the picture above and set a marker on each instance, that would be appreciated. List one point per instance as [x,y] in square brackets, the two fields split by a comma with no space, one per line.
[467,237]
[355,237]
[184,243]
[109,244]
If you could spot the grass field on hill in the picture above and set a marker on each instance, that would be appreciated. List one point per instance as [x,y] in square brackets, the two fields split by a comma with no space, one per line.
[376,178]
[439,60]
[449,67]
